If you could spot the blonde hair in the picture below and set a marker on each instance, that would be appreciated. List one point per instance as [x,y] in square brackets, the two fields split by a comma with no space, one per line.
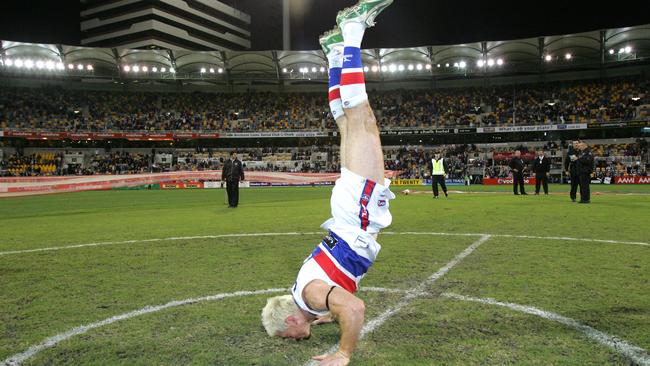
[275,312]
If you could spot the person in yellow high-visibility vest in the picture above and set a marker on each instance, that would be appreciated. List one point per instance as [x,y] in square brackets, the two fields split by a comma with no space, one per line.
[439,171]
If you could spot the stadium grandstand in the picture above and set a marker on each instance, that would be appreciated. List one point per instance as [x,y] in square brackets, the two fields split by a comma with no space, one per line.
[173,193]
[123,105]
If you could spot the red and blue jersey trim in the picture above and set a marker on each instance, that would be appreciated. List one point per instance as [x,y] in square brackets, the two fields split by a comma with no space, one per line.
[341,263]
[364,214]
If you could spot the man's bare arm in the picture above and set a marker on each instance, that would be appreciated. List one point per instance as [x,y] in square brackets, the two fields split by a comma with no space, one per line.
[346,308]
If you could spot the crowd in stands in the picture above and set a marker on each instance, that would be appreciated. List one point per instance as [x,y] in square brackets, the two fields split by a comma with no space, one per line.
[410,162]
[118,163]
[31,165]
[61,109]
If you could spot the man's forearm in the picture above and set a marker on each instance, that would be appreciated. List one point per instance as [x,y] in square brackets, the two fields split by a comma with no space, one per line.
[351,322]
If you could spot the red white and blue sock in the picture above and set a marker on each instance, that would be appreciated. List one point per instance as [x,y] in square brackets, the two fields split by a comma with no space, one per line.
[353,83]
[335,61]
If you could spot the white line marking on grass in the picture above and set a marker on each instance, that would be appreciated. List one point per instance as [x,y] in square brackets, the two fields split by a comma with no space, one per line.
[154,240]
[412,294]
[50,342]
[562,238]
[311,233]
[634,353]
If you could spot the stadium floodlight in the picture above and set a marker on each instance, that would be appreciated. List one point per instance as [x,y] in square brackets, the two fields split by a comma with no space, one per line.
[480,63]
[419,67]
[29,64]
[365,69]
[568,56]
[9,62]
[490,62]
[447,64]
[429,67]
[411,67]
[40,64]
[203,70]
[220,70]
[375,68]
[70,66]
[611,52]
[212,70]
[400,68]
[284,70]
[59,66]
[80,67]
[322,69]
[392,68]
[621,50]
[462,64]
[628,49]
[154,69]
[500,61]
[19,63]
[384,68]
[172,70]
[163,69]
[455,64]
[313,69]
[135,68]
[89,67]
[49,65]
[548,58]
[126,68]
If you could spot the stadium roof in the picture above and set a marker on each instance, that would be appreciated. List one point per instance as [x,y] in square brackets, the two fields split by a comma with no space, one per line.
[588,50]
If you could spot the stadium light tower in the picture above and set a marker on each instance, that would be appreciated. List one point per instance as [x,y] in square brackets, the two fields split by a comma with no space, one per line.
[286,24]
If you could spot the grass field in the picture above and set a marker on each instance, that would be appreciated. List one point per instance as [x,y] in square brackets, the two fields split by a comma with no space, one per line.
[602,285]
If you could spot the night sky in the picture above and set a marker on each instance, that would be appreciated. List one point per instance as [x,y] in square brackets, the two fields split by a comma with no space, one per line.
[406,23]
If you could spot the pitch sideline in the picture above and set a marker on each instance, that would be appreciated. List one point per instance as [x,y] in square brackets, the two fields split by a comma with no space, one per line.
[134,241]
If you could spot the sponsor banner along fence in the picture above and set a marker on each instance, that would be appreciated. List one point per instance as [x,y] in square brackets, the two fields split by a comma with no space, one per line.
[535,128]
[632,180]
[19,186]
[132,136]
[507,155]
[449,182]
[505,181]
[181,185]
[407,182]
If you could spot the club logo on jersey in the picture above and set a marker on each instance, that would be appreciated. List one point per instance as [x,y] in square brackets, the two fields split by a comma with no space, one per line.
[381,203]
[330,241]
[347,58]
[365,198]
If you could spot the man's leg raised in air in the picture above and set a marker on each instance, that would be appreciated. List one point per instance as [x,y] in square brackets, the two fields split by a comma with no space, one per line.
[332,44]
[362,146]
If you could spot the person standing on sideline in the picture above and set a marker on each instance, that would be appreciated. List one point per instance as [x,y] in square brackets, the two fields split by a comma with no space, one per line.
[585,168]
[571,168]
[542,169]
[517,166]
[439,171]
[232,173]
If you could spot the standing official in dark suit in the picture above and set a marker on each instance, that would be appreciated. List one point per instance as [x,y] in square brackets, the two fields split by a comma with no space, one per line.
[571,168]
[517,166]
[439,171]
[542,169]
[585,168]
[232,173]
